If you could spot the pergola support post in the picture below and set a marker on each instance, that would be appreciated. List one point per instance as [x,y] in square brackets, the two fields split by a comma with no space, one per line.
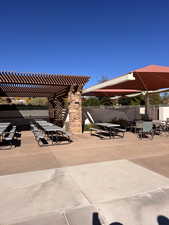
[75,110]
[57,110]
[50,108]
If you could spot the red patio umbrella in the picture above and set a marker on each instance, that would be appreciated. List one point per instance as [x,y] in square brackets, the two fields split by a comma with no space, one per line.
[148,78]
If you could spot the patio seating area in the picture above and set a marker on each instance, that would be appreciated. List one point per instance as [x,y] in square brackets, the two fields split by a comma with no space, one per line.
[48,134]
[151,128]
[143,129]
[45,134]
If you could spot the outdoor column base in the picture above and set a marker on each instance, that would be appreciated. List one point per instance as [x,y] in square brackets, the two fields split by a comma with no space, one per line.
[75,112]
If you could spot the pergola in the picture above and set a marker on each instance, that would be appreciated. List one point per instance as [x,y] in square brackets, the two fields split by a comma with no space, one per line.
[55,87]
[148,78]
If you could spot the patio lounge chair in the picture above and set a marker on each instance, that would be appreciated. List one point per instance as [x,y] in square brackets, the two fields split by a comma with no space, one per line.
[146,130]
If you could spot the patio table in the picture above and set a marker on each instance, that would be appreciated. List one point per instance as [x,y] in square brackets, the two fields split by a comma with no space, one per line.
[47,125]
[51,130]
[157,122]
[110,127]
[3,127]
[4,124]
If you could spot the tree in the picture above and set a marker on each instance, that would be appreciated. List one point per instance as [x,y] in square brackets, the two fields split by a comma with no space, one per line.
[38,101]
[101,100]
[124,100]
[91,101]
[137,100]
[165,98]
[155,99]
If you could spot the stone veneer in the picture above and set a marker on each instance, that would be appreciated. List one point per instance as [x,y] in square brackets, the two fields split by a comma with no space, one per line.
[75,112]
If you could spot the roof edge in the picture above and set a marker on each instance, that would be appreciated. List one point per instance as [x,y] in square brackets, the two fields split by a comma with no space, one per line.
[113,81]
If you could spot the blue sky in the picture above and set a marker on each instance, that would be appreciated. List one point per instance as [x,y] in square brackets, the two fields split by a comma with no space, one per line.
[90,37]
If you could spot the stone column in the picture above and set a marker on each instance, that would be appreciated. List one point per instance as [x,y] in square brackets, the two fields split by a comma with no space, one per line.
[75,111]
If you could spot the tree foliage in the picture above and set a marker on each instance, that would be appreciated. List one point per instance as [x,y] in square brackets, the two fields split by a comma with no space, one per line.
[165,98]
[38,101]
[155,99]
[137,100]
[91,101]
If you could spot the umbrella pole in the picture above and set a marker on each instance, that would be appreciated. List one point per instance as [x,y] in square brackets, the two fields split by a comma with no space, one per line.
[147,105]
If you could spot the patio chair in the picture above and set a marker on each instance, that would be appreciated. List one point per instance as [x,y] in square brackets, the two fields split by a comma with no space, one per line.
[158,127]
[147,129]
[167,124]
[138,126]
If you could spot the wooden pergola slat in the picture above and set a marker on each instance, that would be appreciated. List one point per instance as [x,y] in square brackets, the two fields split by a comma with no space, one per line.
[37,84]
[42,79]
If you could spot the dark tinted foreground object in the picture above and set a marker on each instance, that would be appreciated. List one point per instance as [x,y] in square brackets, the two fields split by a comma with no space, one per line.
[162,220]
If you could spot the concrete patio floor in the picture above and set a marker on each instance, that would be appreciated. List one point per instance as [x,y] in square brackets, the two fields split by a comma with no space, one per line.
[119,191]
[123,180]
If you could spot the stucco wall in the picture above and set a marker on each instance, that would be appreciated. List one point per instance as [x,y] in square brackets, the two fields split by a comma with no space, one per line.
[163,113]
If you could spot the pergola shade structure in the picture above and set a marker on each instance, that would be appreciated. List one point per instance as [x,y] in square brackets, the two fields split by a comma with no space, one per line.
[31,91]
[148,78]
[55,87]
[111,92]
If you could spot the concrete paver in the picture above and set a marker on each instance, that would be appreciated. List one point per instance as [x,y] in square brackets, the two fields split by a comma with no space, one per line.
[106,181]
[142,209]
[56,219]
[82,216]
[53,191]
[120,191]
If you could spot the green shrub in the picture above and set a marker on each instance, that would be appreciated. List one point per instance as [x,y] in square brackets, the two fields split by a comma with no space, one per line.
[87,127]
